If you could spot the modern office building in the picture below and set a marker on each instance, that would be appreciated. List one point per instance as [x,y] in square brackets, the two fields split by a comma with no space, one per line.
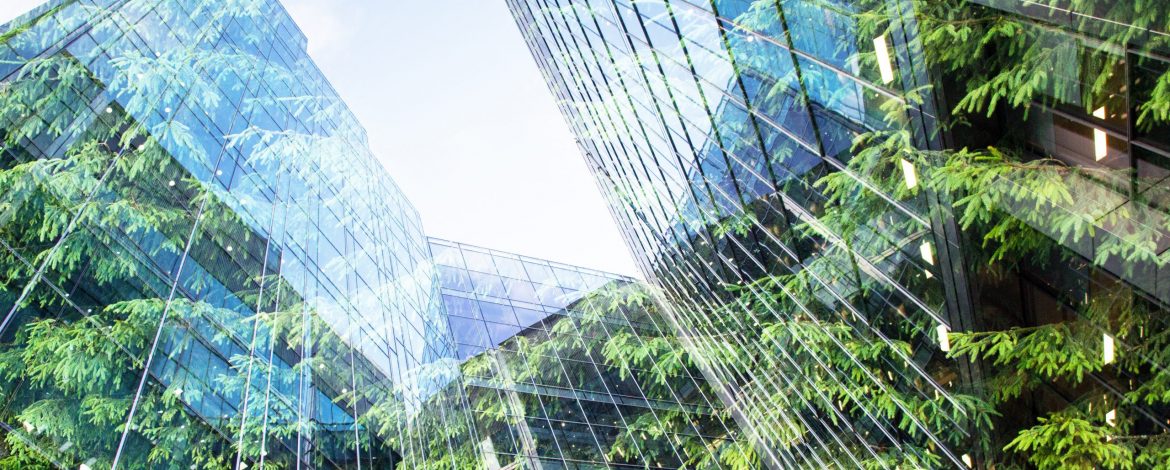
[505,293]
[887,234]
[204,266]
[895,233]
[557,370]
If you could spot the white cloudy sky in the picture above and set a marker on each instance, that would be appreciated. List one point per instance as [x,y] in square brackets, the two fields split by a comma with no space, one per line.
[10,9]
[457,111]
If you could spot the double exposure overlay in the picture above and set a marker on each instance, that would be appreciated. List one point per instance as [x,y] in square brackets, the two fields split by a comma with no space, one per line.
[203,266]
[877,234]
[572,368]
[893,233]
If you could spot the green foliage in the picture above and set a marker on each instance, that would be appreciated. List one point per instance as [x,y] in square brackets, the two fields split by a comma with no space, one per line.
[93,213]
[1051,352]
[1017,211]
[1156,110]
[72,365]
[1067,441]
[739,224]
[18,29]
[620,328]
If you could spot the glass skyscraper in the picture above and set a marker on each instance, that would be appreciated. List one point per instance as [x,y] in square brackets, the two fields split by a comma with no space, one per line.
[204,266]
[490,295]
[880,234]
[894,233]
[554,375]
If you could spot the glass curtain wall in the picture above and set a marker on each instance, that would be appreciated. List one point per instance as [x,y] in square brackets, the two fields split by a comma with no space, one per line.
[895,233]
[203,265]
[573,368]
[503,292]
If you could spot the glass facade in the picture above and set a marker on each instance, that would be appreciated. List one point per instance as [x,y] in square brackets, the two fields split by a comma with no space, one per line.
[568,367]
[491,295]
[881,233]
[894,233]
[203,265]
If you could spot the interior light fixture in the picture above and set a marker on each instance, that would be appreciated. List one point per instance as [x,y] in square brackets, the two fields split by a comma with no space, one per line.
[1100,138]
[1108,354]
[944,341]
[1111,417]
[885,66]
[909,173]
[927,252]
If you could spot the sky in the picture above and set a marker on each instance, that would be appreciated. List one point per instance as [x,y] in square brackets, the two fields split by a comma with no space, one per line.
[457,111]
[10,9]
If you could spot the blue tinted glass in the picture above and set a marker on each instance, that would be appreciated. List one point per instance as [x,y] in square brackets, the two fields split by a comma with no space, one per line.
[446,255]
[477,261]
[521,291]
[454,278]
[468,331]
[498,313]
[500,332]
[551,295]
[509,267]
[487,284]
[461,306]
[539,273]
[528,316]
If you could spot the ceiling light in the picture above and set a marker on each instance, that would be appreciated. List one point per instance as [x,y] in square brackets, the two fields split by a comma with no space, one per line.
[885,66]
[1100,138]
[927,252]
[1108,355]
[944,341]
[909,173]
